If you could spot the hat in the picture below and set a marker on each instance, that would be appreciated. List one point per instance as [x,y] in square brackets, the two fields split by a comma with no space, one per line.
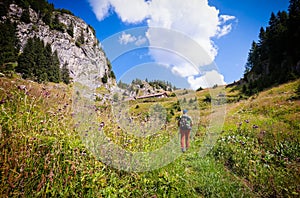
[185,111]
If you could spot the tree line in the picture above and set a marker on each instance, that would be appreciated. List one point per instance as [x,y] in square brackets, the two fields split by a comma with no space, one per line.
[156,84]
[44,10]
[274,59]
[36,62]
[39,63]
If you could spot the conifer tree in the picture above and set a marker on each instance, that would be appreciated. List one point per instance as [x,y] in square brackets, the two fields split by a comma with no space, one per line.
[38,62]
[274,59]
[8,42]
[65,74]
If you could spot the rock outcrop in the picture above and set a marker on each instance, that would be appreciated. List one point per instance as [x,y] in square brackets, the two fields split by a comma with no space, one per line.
[80,51]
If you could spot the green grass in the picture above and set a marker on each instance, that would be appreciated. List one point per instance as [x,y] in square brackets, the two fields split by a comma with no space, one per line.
[261,142]
[42,153]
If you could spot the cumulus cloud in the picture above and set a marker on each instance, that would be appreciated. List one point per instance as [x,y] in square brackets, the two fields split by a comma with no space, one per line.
[225,25]
[140,41]
[224,30]
[100,8]
[185,70]
[194,18]
[225,18]
[209,79]
[124,39]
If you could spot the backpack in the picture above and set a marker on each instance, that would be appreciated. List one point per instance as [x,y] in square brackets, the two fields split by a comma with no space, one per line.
[185,122]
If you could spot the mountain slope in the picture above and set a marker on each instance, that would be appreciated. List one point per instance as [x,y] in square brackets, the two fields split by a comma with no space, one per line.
[75,42]
[42,154]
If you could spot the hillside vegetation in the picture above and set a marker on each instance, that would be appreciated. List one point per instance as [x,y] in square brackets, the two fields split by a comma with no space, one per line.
[275,58]
[42,154]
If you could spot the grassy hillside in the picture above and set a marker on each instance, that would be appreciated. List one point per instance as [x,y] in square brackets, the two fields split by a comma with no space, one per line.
[261,141]
[42,154]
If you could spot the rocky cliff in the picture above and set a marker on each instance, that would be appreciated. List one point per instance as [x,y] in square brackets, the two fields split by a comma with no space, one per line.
[75,43]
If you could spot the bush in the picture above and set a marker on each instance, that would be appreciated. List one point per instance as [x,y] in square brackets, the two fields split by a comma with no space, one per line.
[104,79]
[25,17]
[200,89]
[207,98]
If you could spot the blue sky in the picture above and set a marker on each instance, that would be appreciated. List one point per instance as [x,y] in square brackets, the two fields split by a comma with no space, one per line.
[223,28]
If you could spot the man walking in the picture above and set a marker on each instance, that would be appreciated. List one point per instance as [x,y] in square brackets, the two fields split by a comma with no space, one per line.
[185,124]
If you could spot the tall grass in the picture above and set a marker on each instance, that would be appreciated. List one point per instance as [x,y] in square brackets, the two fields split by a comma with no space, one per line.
[261,142]
[42,155]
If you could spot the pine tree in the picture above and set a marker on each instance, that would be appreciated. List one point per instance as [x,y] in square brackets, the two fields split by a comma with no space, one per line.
[252,57]
[70,30]
[8,43]
[56,73]
[26,61]
[294,31]
[38,62]
[4,5]
[275,57]
[65,74]
[25,17]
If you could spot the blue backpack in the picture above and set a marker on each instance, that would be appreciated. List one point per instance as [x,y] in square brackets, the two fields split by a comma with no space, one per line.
[185,122]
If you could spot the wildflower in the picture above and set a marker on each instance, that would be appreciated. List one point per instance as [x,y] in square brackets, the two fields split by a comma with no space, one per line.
[102,124]
[50,176]
[247,121]
[2,101]
[255,126]
[22,87]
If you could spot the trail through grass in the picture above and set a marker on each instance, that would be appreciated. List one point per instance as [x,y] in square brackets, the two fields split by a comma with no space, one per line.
[42,154]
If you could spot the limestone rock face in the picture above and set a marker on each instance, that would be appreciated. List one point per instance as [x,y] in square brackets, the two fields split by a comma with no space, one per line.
[81,52]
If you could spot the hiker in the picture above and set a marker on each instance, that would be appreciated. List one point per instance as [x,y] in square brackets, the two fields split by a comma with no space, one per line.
[185,124]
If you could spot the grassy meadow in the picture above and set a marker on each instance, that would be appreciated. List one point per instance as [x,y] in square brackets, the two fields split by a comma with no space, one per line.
[42,152]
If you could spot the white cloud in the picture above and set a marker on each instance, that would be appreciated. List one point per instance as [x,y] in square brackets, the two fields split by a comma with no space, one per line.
[224,27]
[224,30]
[196,19]
[132,11]
[209,79]
[124,39]
[185,70]
[225,18]
[140,41]
[100,8]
